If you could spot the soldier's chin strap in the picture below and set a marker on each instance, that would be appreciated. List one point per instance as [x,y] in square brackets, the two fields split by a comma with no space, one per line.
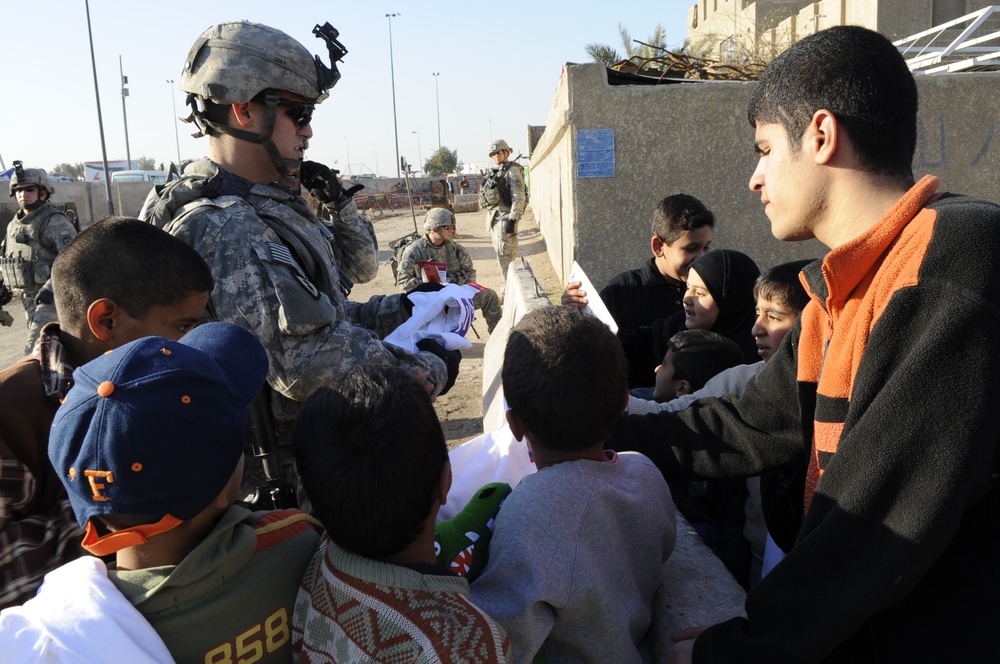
[286,167]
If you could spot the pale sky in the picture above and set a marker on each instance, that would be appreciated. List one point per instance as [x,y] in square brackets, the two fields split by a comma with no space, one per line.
[499,66]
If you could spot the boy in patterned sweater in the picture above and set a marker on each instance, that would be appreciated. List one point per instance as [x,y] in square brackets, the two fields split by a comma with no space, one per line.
[372,458]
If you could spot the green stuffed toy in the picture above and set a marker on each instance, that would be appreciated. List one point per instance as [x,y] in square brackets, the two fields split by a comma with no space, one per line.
[463,542]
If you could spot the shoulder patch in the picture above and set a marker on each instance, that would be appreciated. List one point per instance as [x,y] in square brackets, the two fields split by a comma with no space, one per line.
[281,525]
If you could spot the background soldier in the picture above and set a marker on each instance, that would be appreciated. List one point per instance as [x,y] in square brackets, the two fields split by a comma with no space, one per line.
[36,234]
[504,198]
[437,246]
[252,90]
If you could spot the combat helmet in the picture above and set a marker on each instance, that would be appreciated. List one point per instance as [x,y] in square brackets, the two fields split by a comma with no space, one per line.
[239,61]
[438,217]
[498,145]
[30,176]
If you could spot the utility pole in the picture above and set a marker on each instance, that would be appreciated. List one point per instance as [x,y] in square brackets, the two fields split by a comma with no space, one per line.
[177,136]
[121,72]
[100,120]
[392,72]
[437,98]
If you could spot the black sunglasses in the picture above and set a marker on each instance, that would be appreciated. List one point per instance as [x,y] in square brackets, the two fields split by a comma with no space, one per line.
[301,112]
[29,189]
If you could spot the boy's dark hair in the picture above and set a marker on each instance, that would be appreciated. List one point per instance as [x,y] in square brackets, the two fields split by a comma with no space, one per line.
[860,77]
[781,284]
[370,452]
[679,213]
[701,354]
[129,261]
[564,375]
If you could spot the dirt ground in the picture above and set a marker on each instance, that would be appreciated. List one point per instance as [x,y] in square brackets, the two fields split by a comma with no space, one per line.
[461,409]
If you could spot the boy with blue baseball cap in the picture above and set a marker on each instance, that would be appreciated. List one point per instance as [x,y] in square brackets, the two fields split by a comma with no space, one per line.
[149,444]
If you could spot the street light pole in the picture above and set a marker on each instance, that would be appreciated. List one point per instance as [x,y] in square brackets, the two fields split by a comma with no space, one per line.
[177,136]
[392,72]
[121,72]
[348,155]
[100,119]
[437,98]
[376,160]
[420,153]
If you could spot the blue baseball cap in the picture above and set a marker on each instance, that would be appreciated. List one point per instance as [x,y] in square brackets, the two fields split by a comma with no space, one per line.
[155,428]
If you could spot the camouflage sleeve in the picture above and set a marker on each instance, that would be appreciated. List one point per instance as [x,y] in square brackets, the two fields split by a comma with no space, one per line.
[59,232]
[308,334]
[466,271]
[408,272]
[518,194]
[354,244]
[381,313]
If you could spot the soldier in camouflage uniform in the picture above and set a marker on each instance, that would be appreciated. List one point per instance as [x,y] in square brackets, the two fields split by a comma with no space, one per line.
[36,234]
[279,272]
[504,198]
[438,246]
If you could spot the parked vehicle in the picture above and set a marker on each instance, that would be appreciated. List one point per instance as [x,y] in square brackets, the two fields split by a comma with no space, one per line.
[156,177]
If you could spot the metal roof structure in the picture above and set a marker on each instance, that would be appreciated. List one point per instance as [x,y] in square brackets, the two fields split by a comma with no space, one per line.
[968,43]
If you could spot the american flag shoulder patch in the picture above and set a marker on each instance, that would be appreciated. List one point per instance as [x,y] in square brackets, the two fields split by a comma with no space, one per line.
[281,255]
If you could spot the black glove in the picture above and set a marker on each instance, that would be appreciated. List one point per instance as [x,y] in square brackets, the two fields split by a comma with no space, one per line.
[452,358]
[324,184]
[425,287]
[321,181]
[6,294]
[509,226]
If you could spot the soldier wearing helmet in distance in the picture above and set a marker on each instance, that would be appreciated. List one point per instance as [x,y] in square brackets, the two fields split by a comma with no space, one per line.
[504,198]
[36,234]
[252,90]
[437,246]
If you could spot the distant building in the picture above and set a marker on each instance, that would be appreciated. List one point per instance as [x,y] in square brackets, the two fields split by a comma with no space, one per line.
[757,30]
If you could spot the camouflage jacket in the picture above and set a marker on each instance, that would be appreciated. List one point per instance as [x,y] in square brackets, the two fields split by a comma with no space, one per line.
[512,195]
[32,242]
[276,275]
[452,254]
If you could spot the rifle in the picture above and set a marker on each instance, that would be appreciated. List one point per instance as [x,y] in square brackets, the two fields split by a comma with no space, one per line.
[273,492]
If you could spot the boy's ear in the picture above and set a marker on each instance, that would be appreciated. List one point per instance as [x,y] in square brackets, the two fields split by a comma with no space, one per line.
[444,486]
[656,244]
[823,136]
[684,388]
[102,318]
[516,426]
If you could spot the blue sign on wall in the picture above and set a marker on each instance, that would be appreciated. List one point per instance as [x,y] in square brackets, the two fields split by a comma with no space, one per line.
[595,153]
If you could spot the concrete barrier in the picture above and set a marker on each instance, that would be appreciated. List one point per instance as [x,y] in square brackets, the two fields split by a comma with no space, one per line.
[695,588]
[609,153]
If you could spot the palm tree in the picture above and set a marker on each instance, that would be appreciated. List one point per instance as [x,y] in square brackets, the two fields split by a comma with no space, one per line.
[654,46]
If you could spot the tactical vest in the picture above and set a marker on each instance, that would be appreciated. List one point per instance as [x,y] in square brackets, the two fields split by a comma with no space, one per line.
[26,263]
[496,188]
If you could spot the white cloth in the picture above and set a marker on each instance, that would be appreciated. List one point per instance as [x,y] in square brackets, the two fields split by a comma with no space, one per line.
[79,617]
[495,456]
[443,315]
[733,379]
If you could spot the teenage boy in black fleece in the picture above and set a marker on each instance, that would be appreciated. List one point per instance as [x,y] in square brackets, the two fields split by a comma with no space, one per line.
[898,556]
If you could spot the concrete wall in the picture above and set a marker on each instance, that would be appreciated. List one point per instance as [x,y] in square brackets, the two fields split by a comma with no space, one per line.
[91,198]
[693,137]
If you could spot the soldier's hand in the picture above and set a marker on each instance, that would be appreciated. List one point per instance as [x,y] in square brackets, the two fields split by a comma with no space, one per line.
[6,294]
[5,318]
[509,226]
[321,181]
[451,358]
